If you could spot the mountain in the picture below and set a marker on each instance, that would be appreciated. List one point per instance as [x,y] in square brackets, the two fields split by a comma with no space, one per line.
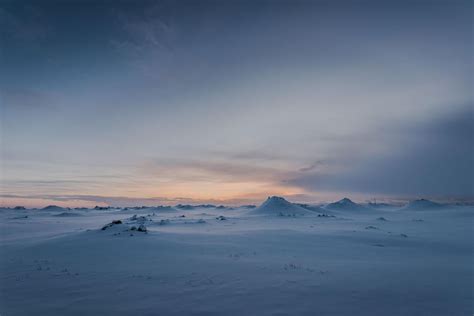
[345,205]
[276,205]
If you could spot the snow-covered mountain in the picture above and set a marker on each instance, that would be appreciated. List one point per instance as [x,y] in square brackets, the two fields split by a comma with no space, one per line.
[345,205]
[276,205]
[422,204]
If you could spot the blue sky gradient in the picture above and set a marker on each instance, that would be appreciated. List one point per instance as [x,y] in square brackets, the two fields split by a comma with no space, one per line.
[159,102]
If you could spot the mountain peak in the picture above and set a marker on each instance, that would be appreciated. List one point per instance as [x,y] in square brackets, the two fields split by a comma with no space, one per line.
[278,205]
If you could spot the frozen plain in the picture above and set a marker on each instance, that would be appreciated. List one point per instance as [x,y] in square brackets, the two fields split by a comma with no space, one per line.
[276,259]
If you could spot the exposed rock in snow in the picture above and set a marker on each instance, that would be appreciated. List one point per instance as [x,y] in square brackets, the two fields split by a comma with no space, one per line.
[325,215]
[141,228]
[115,222]
[250,206]
[102,208]
[184,207]
[139,219]
[20,217]
[164,222]
[206,206]
[276,205]
[164,208]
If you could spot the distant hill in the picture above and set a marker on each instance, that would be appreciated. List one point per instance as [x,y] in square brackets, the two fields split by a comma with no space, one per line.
[276,205]
[54,208]
[67,214]
[422,204]
[345,205]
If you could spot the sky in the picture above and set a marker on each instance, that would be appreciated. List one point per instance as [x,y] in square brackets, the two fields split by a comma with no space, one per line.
[163,102]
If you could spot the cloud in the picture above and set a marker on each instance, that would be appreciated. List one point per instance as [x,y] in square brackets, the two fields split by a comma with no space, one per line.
[312,167]
[147,39]
[213,171]
[427,158]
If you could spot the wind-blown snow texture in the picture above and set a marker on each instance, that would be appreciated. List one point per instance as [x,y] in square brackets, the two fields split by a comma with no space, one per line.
[207,260]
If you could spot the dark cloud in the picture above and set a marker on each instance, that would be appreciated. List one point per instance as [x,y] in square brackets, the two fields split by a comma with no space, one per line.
[428,158]
[312,167]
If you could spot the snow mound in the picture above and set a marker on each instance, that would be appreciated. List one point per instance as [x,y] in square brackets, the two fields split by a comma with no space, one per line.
[185,207]
[67,214]
[102,208]
[248,206]
[206,206]
[162,209]
[276,205]
[422,204]
[140,219]
[53,208]
[141,228]
[345,205]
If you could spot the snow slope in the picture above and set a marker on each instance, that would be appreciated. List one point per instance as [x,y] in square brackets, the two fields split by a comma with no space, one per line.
[422,204]
[408,264]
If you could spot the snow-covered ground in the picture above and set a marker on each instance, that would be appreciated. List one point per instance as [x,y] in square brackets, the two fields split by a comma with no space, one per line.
[277,259]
